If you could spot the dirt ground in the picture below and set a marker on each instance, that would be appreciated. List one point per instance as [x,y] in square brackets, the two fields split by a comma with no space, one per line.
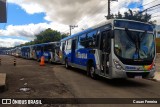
[55,81]
[39,81]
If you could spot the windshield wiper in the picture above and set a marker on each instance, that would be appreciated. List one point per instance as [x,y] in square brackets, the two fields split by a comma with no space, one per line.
[142,36]
[136,42]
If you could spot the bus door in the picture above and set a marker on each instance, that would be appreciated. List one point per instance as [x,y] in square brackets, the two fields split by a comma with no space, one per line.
[40,50]
[34,52]
[73,48]
[62,58]
[105,49]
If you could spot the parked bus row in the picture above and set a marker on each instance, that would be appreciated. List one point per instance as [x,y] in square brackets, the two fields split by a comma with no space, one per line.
[118,48]
[49,50]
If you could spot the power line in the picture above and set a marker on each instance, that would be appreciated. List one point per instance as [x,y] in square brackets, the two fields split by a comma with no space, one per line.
[155,12]
[90,17]
[153,9]
[149,8]
[156,16]
[147,4]
[97,10]
[139,7]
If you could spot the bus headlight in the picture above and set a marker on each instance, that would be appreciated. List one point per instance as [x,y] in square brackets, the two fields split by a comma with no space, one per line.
[118,66]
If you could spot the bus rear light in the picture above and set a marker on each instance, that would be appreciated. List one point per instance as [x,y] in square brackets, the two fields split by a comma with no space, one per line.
[118,66]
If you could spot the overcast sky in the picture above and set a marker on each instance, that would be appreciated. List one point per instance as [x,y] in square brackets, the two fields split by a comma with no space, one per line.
[29,17]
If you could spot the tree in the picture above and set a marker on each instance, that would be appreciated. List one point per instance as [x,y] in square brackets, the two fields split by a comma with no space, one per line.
[46,36]
[49,35]
[134,15]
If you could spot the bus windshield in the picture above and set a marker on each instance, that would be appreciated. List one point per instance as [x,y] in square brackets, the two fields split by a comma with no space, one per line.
[134,45]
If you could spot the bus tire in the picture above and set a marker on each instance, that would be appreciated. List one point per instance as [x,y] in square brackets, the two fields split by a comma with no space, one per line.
[66,64]
[91,71]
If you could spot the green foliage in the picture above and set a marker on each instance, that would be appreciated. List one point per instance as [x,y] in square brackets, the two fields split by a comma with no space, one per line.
[133,15]
[46,36]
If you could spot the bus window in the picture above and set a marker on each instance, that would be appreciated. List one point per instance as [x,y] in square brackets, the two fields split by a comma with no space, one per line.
[39,48]
[45,48]
[69,42]
[105,41]
[91,39]
[98,39]
[62,47]
[65,46]
[82,41]
[27,49]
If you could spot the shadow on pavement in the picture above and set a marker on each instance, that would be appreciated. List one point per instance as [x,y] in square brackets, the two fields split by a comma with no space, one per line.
[130,82]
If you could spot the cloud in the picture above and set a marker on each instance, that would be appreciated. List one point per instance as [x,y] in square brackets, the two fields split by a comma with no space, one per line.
[9,42]
[62,13]
[29,7]
[23,30]
[29,31]
[84,13]
[70,11]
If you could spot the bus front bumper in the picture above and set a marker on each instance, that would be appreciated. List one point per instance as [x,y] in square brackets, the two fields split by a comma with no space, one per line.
[132,74]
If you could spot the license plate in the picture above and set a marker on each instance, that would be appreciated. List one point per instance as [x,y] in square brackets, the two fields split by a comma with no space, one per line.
[138,77]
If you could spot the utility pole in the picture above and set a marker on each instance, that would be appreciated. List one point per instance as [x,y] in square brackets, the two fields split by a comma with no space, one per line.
[109,8]
[72,27]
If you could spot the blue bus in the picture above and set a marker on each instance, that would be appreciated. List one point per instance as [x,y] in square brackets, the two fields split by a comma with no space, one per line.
[118,48]
[49,50]
[17,51]
[26,52]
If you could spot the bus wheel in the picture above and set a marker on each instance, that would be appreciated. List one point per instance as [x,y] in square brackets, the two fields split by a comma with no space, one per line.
[66,64]
[92,72]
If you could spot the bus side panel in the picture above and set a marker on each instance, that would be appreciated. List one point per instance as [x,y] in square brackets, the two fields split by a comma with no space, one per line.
[67,54]
[83,56]
[39,54]
[55,56]
[47,55]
